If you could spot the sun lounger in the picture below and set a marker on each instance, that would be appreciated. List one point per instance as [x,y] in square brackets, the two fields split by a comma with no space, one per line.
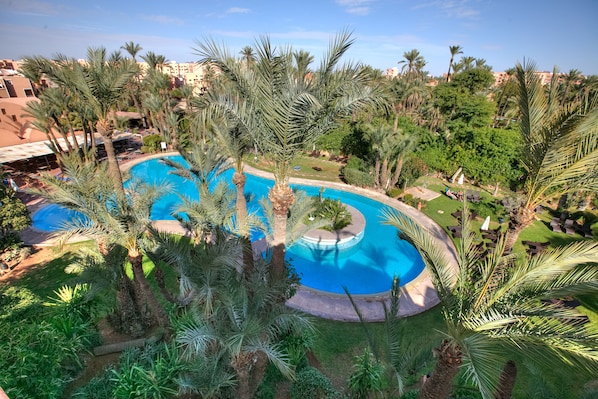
[569,226]
[556,228]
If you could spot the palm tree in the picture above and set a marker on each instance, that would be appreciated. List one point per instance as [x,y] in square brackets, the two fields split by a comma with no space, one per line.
[247,55]
[110,220]
[454,51]
[399,354]
[238,321]
[503,99]
[499,303]
[154,61]
[560,148]
[132,48]
[100,85]
[302,61]
[412,61]
[573,77]
[464,64]
[289,112]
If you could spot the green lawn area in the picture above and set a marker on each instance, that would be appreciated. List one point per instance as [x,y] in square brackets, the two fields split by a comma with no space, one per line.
[330,171]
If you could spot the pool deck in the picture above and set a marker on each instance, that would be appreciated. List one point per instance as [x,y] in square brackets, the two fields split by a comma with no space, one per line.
[417,296]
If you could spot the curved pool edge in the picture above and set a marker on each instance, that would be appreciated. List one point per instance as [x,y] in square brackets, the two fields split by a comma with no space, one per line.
[417,296]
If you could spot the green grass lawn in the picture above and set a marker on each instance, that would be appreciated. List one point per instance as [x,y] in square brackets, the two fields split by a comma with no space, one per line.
[330,171]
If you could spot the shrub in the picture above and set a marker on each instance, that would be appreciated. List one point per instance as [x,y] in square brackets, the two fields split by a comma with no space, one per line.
[333,211]
[410,200]
[367,377]
[149,373]
[357,178]
[39,348]
[310,383]
[394,192]
[152,143]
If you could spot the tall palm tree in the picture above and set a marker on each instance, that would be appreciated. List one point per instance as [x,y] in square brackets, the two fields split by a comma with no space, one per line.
[454,51]
[303,59]
[498,304]
[412,59]
[132,48]
[155,61]
[560,148]
[247,55]
[110,220]
[288,112]
[573,77]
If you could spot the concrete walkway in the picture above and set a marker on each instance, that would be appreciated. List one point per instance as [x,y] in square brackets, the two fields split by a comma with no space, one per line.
[417,296]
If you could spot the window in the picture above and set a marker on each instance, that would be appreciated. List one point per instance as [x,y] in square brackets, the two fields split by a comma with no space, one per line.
[14,118]
[28,92]
[3,111]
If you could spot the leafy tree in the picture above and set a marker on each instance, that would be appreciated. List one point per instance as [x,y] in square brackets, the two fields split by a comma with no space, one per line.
[498,304]
[14,215]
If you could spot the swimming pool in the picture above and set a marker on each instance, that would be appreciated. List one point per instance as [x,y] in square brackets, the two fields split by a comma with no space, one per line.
[366,268]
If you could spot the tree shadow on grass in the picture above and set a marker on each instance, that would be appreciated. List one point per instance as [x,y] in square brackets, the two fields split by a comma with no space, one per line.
[45,274]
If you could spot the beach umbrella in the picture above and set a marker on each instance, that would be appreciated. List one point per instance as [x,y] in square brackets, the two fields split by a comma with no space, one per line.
[486,224]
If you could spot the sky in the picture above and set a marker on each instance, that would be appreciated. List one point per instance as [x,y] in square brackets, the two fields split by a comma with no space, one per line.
[503,32]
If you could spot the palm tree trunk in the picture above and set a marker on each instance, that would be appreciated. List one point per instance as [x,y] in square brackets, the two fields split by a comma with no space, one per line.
[103,127]
[127,318]
[384,173]
[440,384]
[506,382]
[377,171]
[397,172]
[239,180]
[146,295]
[281,197]
[520,219]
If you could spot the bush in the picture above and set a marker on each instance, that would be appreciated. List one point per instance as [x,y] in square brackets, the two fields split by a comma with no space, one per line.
[39,347]
[411,394]
[151,143]
[394,192]
[311,383]
[410,200]
[149,373]
[333,211]
[357,178]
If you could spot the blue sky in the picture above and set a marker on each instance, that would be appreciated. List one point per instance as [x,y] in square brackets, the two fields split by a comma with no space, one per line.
[502,32]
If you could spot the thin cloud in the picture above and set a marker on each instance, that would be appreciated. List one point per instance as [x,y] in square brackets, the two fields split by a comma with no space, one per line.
[452,9]
[355,7]
[163,19]
[31,7]
[238,10]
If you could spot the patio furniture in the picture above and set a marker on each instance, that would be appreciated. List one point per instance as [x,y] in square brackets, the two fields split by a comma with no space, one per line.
[569,226]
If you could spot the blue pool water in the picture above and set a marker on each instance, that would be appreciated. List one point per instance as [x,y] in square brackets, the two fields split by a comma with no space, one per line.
[366,268]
